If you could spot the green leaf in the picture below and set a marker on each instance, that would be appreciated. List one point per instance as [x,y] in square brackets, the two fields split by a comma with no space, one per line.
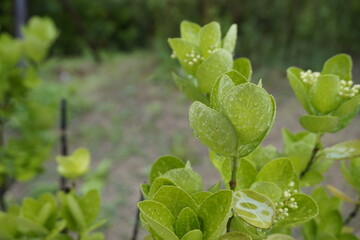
[293,74]
[250,110]
[193,235]
[347,236]
[269,189]
[186,179]
[346,112]
[324,93]
[161,232]
[75,165]
[299,147]
[210,38]
[214,129]
[319,124]
[214,214]
[262,155]
[352,173]
[76,213]
[200,197]
[158,183]
[188,88]
[237,77]
[190,31]
[243,66]
[229,41]
[307,210]
[222,85]
[342,151]
[235,236]
[340,65]
[279,236]
[90,205]
[245,174]
[10,50]
[186,222]
[326,203]
[254,208]
[29,227]
[182,49]
[145,188]
[175,199]
[157,212]
[331,223]
[278,171]
[308,230]
[238,224]
[211,68]
[93,236]
[163,165]
[214,188]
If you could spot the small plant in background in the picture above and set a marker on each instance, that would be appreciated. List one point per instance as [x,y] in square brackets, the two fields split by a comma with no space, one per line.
[262,196]
[25,120]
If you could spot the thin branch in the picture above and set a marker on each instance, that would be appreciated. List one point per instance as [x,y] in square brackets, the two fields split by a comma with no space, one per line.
[63,140]
[232,185]
[313,155]
[352,214]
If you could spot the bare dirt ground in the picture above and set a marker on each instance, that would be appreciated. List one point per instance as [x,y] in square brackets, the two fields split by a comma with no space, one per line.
[131,117]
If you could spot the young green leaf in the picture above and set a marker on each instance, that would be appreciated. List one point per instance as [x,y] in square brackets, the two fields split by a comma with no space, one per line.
[340,65]
[186,179]
[222,85]
[188,88]
[243,66]
[175,199]
[278,171]
[163,165]
[293,74]
[214,129]
[324,93]
[250,110]
[210,38]
[229,41]
[212,67]
[186,221]
[346,112]
[269,189]
[319,124]
[245,174]
[190,31]
[306,210]
[75,165]
[235,236]
[193,235]
[158,212]
[214,214]
[254,208]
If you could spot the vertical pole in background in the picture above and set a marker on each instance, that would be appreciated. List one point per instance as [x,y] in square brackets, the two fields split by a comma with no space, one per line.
[63,139]
[20,8]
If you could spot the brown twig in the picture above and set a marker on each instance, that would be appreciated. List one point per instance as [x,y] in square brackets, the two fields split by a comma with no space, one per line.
[137,220]
[352,214]
[63,140]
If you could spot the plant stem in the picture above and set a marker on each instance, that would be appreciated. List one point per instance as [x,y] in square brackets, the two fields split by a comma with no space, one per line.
[353,214]
[234,167]
[232,185]
[315,150]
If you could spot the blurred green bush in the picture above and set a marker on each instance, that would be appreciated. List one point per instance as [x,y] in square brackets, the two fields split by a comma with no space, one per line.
[273,32]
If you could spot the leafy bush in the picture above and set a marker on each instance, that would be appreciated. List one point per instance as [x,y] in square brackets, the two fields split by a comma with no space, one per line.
[263,197]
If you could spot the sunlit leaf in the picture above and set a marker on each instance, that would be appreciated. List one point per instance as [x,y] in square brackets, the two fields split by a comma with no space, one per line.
[269,189]
[342,151]
[340,65]
[254,208]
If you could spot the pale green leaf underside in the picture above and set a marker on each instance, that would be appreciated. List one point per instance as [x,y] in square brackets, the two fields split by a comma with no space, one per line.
[319,124]
[254,208]
[213,129]
[211,68]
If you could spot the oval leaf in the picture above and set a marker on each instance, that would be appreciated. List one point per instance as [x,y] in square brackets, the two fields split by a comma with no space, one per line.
[319,124]
[340,65]
[164,164]
[210,38]
[190,31]
[186,222]
[214,129]
[254,208]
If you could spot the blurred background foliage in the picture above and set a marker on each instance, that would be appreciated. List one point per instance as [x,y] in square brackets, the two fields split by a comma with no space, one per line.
[272,32]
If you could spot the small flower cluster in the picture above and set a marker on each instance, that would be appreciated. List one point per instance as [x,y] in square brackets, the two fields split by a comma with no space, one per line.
[309,77]
[212,49]
[288,202]
[347,89]
[192,58]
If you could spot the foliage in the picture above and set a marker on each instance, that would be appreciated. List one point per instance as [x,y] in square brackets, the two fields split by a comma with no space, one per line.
[263,196]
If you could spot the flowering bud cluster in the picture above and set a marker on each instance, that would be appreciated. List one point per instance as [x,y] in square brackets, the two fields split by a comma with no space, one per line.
[212,49]
[287,203]
[309,77]
[347,89]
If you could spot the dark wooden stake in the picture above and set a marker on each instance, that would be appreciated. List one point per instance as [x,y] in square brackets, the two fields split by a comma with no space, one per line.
[63,140]
[137,220]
